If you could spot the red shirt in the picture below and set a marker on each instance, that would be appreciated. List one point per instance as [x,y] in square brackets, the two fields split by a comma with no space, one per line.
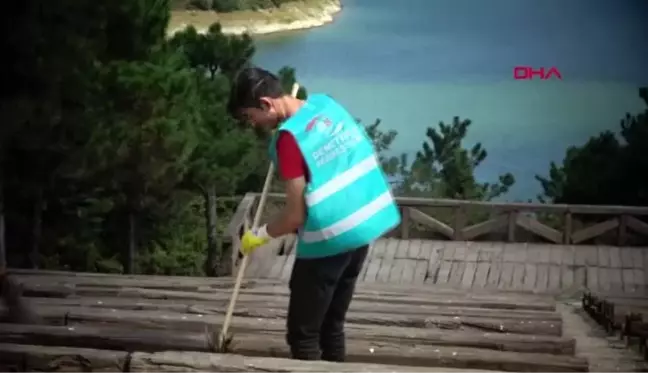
[291,161]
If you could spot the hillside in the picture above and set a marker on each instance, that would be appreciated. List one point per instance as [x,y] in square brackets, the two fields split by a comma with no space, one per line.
[253,16]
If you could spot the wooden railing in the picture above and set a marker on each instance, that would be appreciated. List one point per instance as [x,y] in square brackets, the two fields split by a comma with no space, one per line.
[497,221]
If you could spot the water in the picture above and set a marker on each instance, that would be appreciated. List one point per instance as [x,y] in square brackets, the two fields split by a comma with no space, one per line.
[424,61]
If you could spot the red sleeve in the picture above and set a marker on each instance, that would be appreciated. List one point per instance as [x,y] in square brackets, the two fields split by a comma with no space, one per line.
[291,161]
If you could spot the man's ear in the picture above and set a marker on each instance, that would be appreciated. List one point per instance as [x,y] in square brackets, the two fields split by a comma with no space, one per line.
[265,103]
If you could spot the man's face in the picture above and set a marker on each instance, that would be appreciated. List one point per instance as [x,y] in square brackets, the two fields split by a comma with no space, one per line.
[263,119]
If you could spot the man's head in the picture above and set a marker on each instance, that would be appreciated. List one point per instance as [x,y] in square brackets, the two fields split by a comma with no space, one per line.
[258,98]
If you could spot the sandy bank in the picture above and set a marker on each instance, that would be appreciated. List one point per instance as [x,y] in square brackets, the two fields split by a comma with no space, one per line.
[289,17]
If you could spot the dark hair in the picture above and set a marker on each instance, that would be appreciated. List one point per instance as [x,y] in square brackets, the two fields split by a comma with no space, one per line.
[249,86]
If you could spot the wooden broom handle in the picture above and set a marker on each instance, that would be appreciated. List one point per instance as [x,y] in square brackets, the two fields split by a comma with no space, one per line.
[255,224]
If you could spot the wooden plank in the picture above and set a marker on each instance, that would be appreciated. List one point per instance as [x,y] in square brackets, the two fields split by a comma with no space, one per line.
[511,252]
[479,229]
[470,270]
[372,270]
[35,358]
[191,361]
[595,230]
[460,251]
[495,271]
[531,271]
[542,280]
[396,271]
[518,276]
[637,225]
[426,249]
[615,256]
[436,225]
[534,226]
[554,277]
[626,257]
[456,273]
[375,326]
[414,250]
[506,277]
[603,256]
[402,250]
[287,269]
[408,271]
[487,252]
[388,260]
[637,257]
[481,275]
[580,279]
[264,266]
[420,272]
[604,277]
[581,256]
[469,260]
[434,251]
[592,278]
[557,255]
[615,279]
[627,275]
[567,276]
[277,267]
[591,255]
[569,255]
[640,279]
[445,263]
[366,263]
[409,358]
[422,355]
[276,308]
[544,254]
[520,251]
[379,248]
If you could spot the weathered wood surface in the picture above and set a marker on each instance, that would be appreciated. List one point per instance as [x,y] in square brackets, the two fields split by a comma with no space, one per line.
[263,345]
[173,361]
[31,358]
[518,335]
[272,294]
[36,358]
[543,269]
[423,355]
[277,308]
[34,278]
[120,336]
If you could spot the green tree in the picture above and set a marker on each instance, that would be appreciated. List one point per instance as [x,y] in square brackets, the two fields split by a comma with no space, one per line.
[144,137]
[442,168]
[606,169]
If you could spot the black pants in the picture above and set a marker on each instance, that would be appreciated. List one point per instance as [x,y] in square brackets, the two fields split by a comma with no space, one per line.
[320,294]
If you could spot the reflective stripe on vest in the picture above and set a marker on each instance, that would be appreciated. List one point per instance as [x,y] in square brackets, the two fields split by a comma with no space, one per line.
[342,181]
[351,221]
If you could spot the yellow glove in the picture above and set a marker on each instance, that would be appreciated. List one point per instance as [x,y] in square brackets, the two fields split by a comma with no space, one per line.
[252,239]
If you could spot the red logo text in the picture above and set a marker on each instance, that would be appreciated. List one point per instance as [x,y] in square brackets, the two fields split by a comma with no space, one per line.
[530,73]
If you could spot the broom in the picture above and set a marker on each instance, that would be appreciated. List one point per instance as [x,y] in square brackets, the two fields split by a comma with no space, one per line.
[224,339]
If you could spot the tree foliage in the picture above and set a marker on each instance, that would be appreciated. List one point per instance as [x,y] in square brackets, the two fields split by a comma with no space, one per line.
[607,169]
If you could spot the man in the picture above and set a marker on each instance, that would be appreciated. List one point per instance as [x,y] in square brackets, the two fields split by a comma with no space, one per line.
[337,198]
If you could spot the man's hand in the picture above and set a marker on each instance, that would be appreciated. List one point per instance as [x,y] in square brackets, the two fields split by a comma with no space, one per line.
[253,239]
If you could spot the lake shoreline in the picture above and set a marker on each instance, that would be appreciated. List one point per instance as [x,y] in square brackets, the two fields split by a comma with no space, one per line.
[289,17]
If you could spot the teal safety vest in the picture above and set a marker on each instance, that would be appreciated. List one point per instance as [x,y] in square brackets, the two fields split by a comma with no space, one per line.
[348,200]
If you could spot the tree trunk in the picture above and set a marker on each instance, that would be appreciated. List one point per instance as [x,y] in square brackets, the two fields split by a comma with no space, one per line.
[212,261]
[132,244]
[37,222]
